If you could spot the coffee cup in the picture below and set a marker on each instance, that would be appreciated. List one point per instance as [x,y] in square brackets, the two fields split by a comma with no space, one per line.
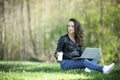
[60,56]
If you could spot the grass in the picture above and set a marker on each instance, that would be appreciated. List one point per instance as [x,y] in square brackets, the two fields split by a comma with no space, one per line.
[15,70]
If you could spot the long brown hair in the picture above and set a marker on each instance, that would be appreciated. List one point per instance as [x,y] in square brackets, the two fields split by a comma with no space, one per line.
[78,32]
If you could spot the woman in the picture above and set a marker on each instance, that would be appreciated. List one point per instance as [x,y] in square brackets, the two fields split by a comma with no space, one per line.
[71,45]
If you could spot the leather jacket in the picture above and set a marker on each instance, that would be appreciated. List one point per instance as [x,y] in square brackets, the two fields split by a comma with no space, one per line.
[68,47]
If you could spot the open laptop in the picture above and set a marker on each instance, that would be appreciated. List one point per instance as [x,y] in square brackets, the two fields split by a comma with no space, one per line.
[89,53]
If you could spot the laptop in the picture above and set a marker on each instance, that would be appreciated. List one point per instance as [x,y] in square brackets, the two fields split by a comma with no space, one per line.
[89,53]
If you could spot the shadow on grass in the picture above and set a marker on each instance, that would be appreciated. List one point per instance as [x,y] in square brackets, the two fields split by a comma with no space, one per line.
[28,68]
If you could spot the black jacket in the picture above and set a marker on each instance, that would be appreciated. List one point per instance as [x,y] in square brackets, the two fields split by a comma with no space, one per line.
[68,47]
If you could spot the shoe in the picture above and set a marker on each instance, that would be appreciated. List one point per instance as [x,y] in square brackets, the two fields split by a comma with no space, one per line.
[108,69]
[87,70]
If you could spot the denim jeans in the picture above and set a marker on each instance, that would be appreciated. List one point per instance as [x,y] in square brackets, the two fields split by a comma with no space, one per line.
[81,63]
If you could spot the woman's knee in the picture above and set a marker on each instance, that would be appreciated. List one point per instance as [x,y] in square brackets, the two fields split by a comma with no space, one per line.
[86,61]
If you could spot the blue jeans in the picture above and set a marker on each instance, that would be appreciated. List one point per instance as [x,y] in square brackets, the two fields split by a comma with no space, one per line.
[81,63]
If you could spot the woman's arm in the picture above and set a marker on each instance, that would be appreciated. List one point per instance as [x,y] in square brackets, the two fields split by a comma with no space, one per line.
[60,45]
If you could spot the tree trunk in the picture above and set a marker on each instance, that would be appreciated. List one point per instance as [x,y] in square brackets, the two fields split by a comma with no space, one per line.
[30,30]
[102,25]
[2,34]
[23,32]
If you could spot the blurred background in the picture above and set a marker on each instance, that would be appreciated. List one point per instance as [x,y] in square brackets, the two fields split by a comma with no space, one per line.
[29,29]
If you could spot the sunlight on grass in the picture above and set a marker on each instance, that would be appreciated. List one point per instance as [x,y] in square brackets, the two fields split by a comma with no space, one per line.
[48,71]
[42,76]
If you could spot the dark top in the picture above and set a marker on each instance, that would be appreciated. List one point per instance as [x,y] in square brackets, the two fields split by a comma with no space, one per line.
[68,47]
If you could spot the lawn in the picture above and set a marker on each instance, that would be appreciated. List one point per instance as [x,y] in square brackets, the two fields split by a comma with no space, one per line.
[16,70]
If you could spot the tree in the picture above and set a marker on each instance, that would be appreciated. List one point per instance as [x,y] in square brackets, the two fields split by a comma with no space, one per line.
[22,32]
[101,25]
[2,28]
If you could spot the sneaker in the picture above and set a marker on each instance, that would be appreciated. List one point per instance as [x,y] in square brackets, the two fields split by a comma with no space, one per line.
[108,69]
[87,70]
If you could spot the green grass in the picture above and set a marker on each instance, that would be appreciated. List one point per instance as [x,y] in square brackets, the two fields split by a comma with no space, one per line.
[15,70]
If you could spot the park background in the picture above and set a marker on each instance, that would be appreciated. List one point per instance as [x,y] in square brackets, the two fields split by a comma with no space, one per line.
[29,30]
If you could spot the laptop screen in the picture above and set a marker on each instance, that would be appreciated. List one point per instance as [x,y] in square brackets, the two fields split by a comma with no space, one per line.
[90,53]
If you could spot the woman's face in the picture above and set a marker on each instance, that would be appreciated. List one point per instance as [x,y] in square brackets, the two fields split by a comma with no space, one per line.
[70,27]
